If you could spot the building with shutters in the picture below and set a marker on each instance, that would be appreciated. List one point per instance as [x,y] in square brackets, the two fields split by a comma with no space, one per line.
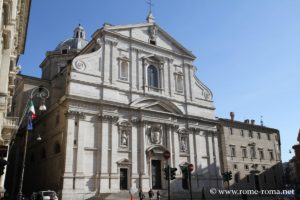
[252,153]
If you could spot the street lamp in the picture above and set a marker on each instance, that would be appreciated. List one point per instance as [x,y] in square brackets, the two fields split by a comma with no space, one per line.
[41,93]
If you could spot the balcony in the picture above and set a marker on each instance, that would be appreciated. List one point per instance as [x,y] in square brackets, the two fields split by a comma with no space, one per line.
[10,124]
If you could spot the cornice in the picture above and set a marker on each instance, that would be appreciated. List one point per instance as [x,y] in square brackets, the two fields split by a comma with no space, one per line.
[147,45]
[246,126]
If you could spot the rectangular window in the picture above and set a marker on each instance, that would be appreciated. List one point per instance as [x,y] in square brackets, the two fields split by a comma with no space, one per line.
[179,83]
[244,152]
[271,155]
[261,154]
[250,134]
[242,133]
[246,167]
[231,131]
[124,70]
[258,136]
[269,136]
[252,152]
[232,151]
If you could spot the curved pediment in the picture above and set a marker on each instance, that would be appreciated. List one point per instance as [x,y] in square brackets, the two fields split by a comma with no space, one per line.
[156,105]
[124,161]
[156,149]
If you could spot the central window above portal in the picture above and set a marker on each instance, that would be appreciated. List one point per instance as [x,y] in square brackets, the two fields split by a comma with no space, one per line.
[153,79]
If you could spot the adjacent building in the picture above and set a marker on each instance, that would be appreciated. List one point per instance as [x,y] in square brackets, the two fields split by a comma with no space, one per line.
[14,21]
[117,103]
[252,153]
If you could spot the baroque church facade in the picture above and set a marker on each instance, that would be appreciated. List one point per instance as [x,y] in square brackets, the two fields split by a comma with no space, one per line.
[117,103]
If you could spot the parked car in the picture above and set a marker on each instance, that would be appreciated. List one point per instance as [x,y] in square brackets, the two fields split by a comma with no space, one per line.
[47,195]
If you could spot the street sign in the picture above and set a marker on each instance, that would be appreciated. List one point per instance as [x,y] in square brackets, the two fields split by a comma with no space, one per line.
[167,154]
[191,167]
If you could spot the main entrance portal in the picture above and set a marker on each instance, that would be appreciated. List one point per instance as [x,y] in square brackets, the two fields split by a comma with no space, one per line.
[156,174]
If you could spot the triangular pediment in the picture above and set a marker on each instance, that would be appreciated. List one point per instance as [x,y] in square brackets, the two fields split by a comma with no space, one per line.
[156,106]
[143,32]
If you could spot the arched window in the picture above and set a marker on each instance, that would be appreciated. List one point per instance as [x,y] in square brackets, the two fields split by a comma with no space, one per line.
[152,76]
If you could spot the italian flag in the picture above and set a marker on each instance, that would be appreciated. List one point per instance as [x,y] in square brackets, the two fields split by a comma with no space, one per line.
[31,110]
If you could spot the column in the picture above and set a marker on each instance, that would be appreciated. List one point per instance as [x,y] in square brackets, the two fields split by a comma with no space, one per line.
[114,62]
[134,156]
[79,153]
[104,181]
[190,85]
[80,146]
[69,160]
[137,76]
[176,146]
[98,145]
[113,146]
[106,61]
[170,76]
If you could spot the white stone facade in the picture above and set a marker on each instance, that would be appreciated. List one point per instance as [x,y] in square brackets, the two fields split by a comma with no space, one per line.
[120,121]
[128,96]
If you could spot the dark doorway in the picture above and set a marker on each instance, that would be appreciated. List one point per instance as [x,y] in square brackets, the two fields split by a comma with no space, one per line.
[256,179]
[156,174]
[123,178]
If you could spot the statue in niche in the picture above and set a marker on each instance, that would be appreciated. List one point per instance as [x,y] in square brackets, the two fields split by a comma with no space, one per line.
[124,138]
[153,32]
[183,144]
[155,134]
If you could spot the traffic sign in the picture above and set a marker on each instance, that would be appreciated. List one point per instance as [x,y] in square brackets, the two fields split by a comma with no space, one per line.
[167,154]
[191,167]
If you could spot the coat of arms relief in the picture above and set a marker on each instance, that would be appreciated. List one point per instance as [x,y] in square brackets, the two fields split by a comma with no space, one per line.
[155,134]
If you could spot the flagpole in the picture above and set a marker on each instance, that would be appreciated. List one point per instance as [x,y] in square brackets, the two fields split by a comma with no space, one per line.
[42,93]
[23,166]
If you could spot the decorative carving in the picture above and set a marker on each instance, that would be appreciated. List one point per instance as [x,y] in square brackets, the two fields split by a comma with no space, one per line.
[79,65]
[183,140]
[112,41]
[72,113]
[206,95]
[183,144]
[106,117]
[124,134]
[124,138]
[153,32]
[155,134]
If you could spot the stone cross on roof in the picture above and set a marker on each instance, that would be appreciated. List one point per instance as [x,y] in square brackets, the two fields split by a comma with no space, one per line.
[149,2]
[298,138]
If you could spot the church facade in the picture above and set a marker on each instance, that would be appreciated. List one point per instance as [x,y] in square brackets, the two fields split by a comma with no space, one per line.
[117,103]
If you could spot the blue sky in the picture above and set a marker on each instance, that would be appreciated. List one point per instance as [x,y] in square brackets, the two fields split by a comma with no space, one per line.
[248,51]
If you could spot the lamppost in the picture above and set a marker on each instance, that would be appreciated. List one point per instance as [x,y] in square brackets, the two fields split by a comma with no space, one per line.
[41,93]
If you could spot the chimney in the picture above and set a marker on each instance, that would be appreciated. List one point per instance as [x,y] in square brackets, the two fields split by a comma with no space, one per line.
[232,116]
[253,122]
[246,121]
